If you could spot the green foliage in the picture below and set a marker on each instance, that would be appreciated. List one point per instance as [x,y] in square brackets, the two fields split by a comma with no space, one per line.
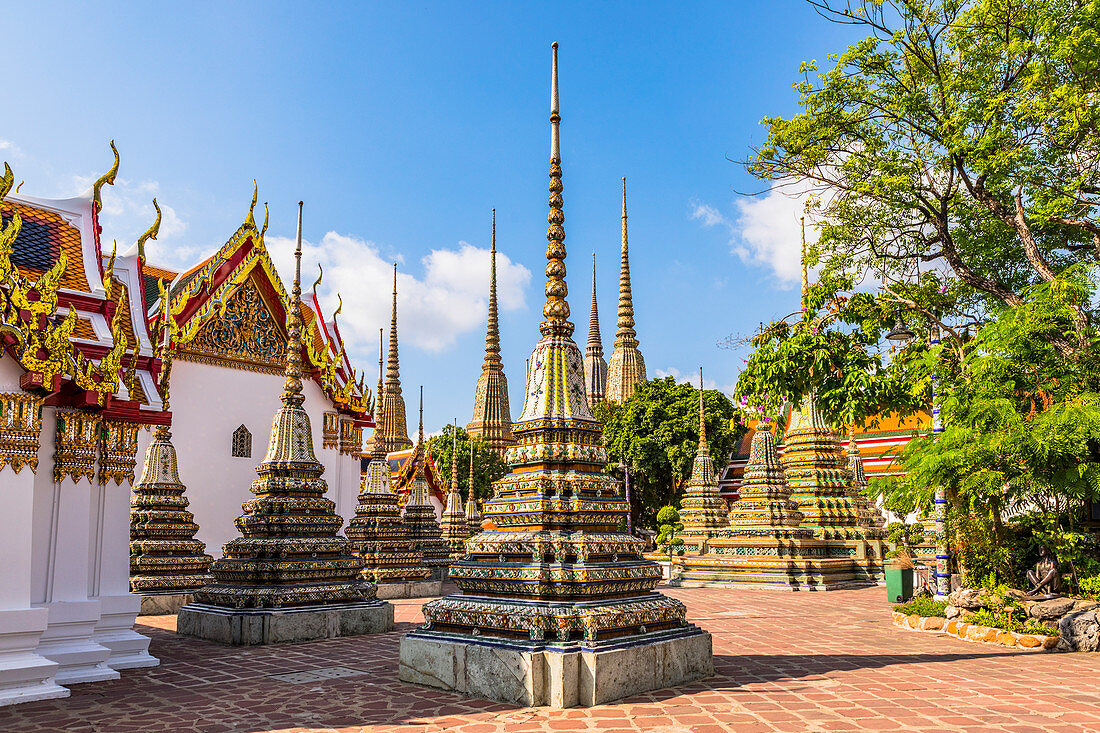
[904,537]
[488,464]
[656,432]
[668,528]
[1090,587]
[988,558]
[1009,617]
[923,606]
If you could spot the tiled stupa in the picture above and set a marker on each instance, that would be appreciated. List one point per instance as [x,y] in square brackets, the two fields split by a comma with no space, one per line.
[595,367]
[377,531]
[492,419]
[391,428]
[871,516]
[452,524]
[425,534]
[626,367]
[289,556]
[167,563]
[473,514]
[764,507]
[557,577]
[702,510]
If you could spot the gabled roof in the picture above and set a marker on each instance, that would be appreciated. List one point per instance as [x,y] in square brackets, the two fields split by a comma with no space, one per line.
[74,322]
[205,293]
[403,470]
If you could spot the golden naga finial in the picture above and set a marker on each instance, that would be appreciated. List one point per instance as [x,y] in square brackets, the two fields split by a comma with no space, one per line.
[6,181]
[150,233]
[19,186]
[249,220]
[107,178]
[263,229]
[339,307]
[320,274]
[109,272]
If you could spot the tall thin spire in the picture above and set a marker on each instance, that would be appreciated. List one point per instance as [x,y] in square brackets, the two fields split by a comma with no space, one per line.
[702,510]
[556,308]
[492,328]
[702,419]
[377,441]
[454,457]
[805,273]
[393,429]
[595,367]
[292,387]
[627,367]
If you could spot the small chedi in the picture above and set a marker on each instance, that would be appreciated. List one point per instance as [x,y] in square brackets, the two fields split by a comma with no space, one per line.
[595,367]
[872,517]
[702,510]
[425,534]
[453,525]
[290,576]
[378,533]
[557,604]
[626,367]
[167,563]
[473,514]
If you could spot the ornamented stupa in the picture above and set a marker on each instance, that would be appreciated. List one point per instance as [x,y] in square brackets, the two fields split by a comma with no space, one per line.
[391,427]
[558,576]
[702,510]
[595,367]
[473,514]
[453,524]
[167,563]
[492,421]
[764,507]
[873,520]
[377,531]
[424,531]
[290,576]
[626,367]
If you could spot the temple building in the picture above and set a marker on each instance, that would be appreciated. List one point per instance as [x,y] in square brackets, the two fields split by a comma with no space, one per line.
[78,373]
[492,421]
[289,576]
[167,563]
[378,533]
[420,514]
[557,605]
[391,427]
[227,328]
[626,367]
[595,367]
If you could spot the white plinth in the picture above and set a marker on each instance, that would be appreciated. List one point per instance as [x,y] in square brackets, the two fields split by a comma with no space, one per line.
[410,589]
[25,675]
[561,677]
[115,630]
[68,641]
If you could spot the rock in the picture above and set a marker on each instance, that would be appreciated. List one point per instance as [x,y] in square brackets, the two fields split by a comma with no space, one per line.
[1080,631]
[932,623]
[1006,638]
[1083,605]
[969,599]
[1028,641]
[1054,608]
[952,611]
[1015,594]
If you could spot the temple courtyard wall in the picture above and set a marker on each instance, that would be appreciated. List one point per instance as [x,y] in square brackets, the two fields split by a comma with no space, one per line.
[783,662]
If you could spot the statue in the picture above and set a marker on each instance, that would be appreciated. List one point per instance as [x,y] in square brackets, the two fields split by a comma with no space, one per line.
[1046,581]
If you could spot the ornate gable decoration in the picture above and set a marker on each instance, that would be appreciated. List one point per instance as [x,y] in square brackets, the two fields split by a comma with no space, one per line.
[245,335]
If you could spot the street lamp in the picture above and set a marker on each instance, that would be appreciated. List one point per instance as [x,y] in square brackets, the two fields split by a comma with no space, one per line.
[900,331]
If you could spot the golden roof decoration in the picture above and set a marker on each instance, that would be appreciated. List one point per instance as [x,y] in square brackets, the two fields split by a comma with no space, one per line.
[107,178]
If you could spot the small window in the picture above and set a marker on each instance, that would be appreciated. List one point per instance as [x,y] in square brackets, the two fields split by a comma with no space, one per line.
[242,443]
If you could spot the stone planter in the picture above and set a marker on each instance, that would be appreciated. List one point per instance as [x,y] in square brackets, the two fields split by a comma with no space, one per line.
[973,632]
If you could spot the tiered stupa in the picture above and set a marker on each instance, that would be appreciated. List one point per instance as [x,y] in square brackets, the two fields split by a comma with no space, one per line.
[167,563]
[595,368]
[557,604]
[377,531]
[626,367]
[290,576]
[702,510]
[492,421]
[473,514]
[873,519]
[764,507]
[453,524]
[390,426]
[424,531]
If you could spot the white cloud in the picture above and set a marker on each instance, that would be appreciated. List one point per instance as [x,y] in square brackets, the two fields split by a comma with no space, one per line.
[693,380]
[764,231]
[449,299]
[10,148]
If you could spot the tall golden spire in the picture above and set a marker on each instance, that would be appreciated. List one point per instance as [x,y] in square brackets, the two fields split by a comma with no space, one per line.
[292,387]
[393,430]
[805,272]
[492,418]
[556,308]
[378,443]
[702,419]
[627,366]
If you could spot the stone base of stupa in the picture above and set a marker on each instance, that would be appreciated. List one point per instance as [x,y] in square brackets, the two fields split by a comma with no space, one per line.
[410,589]
[252,627]
[164,604]
[561,676]
[869,557]
[771,563]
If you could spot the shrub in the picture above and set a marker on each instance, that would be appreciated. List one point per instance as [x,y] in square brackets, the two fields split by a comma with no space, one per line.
[1090,587]
[922,606]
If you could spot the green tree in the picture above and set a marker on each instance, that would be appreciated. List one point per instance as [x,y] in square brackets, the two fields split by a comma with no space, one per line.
[669,527]
[656,432]
[488,464]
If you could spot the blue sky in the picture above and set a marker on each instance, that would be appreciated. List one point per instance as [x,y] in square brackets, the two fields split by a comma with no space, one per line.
[403,125]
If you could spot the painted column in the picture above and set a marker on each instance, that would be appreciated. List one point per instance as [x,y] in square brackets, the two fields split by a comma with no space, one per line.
[942,575]
[25,675]
[109,556]
[63,501]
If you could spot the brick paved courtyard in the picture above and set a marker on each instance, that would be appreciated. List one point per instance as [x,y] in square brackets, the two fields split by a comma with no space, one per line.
[784,662]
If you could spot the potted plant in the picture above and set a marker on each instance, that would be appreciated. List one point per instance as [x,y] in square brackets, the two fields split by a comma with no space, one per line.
[669,527]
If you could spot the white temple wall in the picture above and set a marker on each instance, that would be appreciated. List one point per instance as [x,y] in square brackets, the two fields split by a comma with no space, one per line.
[208,404]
